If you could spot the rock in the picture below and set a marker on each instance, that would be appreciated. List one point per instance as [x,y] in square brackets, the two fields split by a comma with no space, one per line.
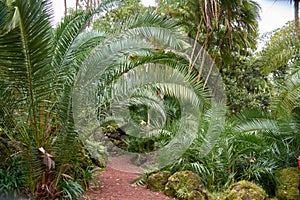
[245,190]
[156,182]
[185,185]
[196,195]
[288,184]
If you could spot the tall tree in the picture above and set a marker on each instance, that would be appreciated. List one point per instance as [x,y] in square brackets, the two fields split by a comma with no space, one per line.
[66,8]
[227,30]
[76,5]
[296,10]
[224,28]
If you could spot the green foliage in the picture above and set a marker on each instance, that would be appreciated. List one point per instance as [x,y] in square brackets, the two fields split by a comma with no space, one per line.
[277,130]
[12,177]
[246,86]
[115,18]
[5,148]
[38,74]
[39,67]
[227,30]
[70,189]
[280,52]
[224,28]
[236,156]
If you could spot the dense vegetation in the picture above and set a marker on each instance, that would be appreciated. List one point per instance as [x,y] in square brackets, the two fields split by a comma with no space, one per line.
[145,66]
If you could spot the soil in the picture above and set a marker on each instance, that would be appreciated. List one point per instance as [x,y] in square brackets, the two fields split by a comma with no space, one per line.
[115,183]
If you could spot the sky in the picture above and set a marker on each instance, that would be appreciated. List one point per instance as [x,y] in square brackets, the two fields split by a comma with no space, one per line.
[274,13]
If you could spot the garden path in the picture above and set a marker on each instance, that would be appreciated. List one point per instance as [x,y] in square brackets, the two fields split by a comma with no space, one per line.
[115,183]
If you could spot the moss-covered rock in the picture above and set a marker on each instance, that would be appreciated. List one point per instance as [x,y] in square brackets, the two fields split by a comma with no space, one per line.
[288,184]
[156,182]
[185,185]
[196,195]
[245,190]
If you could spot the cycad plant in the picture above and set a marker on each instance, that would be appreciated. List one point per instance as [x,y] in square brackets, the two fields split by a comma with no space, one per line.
[280,125]
[38,65]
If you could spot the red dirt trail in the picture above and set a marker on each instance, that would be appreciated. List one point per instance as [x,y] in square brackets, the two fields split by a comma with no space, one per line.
[115,183]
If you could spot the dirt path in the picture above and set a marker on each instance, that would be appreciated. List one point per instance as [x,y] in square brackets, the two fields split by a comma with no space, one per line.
[115,184]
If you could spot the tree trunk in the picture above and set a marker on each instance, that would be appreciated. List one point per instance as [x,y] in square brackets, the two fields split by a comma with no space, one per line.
[76,5]
[66,10]
[88,5]
[296,8]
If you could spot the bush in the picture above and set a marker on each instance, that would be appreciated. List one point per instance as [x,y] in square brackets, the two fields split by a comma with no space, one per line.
[288,183]
[245,190]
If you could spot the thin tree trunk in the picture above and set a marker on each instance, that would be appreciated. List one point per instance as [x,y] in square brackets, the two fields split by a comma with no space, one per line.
[296,8]
[76,5]
[66,9]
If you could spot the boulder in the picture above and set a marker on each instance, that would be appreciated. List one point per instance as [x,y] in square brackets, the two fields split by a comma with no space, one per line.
[288,179]
[245,190]
[185,185]
[156,182]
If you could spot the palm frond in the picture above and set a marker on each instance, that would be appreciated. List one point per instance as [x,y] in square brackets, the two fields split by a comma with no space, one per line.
[258,125]
[26,62]
[285,102]
[3,15]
